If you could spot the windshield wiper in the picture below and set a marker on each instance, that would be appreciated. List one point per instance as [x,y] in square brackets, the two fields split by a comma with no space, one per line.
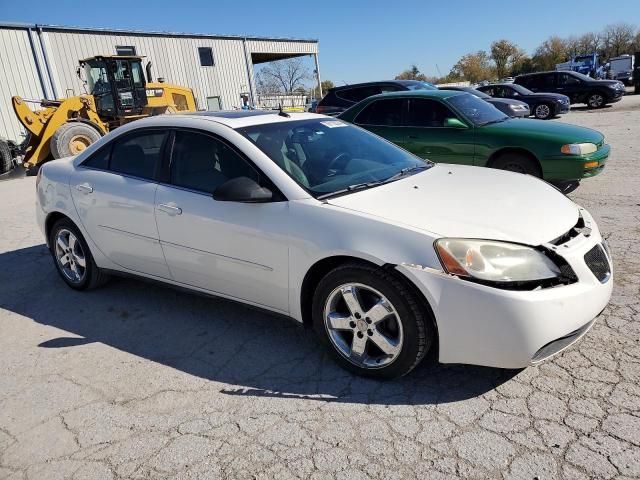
[350,188]
[499,120]
[406,171]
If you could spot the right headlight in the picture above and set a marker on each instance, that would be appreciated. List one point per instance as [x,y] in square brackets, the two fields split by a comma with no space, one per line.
[492,261]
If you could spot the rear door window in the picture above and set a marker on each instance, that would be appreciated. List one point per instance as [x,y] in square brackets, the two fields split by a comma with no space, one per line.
[385,112]
[138,155]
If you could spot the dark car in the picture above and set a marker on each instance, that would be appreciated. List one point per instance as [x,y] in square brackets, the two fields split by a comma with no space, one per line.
[508,106]
[578,87]
[338,99]
[543,105]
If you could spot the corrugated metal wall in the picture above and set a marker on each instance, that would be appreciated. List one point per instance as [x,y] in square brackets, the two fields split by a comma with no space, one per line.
[173,57]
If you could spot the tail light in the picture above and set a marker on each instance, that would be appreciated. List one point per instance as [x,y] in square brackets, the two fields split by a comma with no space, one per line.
[320,109]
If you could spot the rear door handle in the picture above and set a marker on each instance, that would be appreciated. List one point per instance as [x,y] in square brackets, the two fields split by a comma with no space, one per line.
[170,208]
[84,188]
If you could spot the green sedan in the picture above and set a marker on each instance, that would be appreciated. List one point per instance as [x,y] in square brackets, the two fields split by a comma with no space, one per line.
[455,127]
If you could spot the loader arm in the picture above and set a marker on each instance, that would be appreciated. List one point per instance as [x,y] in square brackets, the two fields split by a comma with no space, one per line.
[43,123]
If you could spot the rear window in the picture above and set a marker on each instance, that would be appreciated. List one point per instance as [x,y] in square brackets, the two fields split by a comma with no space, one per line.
[358,94]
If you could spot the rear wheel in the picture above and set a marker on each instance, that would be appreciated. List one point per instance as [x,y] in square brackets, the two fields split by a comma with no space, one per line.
[6,162]
[517,162]
[72,257]
[373,324]
[543,111]
[72,138]
[596,100]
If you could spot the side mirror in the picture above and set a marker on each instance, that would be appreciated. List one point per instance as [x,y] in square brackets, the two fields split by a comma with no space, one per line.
[454,123]
[242,189]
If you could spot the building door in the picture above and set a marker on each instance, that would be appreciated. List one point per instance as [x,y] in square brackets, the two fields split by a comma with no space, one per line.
[214,103]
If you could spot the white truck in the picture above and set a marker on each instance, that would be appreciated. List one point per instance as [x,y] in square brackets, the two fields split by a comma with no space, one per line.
[621,68]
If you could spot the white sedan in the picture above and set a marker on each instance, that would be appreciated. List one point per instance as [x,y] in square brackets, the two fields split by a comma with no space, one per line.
[386,255]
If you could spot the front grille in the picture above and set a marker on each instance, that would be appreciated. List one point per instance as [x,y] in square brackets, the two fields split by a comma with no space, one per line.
[559,344]
[598,263]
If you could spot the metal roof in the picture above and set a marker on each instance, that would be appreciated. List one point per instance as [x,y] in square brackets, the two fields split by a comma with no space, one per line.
[153,32]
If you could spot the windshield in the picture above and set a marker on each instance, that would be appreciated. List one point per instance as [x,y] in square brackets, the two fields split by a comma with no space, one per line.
[97,78]
[581,76]
[476,110]
[327,156]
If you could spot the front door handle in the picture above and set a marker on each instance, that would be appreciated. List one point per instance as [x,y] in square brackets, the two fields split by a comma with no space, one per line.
[84,188]
[170,208]
[412,137]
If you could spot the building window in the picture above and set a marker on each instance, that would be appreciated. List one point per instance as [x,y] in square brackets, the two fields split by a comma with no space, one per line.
[206,56]
[125,50]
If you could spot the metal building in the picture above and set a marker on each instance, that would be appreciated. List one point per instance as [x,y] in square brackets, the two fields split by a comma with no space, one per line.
[40,61]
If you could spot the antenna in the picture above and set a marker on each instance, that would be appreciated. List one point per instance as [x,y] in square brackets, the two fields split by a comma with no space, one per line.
[438,69]
[282,113]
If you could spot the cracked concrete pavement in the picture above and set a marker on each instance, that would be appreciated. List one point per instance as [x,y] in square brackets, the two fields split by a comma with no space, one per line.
[140,381]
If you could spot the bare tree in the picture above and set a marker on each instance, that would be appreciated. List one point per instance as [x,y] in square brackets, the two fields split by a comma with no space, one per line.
[411,74]
[286,74]
[266,85]
[618,39]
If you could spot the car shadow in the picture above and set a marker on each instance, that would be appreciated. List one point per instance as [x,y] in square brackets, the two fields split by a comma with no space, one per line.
[254,353]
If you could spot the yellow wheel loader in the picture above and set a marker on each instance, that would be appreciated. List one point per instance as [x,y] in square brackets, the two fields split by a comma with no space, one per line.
[118,94]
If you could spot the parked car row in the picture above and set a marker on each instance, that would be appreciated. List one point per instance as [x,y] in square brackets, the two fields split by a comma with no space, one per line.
[386,255]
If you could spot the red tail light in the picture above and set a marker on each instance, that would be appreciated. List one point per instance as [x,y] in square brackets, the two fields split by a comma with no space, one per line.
[320,109]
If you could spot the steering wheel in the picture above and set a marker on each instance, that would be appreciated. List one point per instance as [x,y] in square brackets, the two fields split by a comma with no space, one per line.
[339,162]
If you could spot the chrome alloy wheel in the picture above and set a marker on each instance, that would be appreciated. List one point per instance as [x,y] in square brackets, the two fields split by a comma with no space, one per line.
[543,111]
[70,256]
[363,325]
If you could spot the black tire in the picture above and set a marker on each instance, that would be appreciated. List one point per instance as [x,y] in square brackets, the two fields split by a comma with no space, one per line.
[417,322]
[517,162]
[6,162]
[71,138]
[93,277]
[596,100]
[543,111]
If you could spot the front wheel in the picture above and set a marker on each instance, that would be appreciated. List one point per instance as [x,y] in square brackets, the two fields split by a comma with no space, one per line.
[543,111]
[596,100]
[517,162]
[372,322]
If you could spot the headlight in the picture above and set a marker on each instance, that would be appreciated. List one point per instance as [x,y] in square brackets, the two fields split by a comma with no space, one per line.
[578,148]
[493,261]
[517,108]
[154,92]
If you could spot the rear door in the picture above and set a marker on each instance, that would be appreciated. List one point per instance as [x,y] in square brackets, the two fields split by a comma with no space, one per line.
[114,192]
[428,136]
[235,249]
[385,117]
[544,82]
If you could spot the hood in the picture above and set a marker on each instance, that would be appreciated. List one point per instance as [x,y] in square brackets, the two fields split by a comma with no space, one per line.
[506,101]
[470,202]
[551,131]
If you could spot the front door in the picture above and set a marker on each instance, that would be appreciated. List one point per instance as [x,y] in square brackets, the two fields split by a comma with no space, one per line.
[235,249]
[570,86]
[114,193]
[428,136]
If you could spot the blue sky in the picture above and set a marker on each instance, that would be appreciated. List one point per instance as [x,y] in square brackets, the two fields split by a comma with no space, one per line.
[359,40]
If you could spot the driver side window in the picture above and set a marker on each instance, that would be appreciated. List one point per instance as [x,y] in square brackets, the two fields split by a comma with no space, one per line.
[427,113]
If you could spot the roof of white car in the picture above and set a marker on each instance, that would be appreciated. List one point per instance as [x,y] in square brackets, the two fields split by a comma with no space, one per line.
[245,118]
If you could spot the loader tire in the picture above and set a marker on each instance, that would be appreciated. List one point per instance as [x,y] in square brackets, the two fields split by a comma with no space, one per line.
[72,138]
[6,162]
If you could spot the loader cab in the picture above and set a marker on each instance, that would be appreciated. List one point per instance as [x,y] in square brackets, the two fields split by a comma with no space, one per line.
[117,84]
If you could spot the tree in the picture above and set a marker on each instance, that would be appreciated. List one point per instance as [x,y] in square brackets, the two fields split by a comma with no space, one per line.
[473,67]
[286,74]
[412,74]
[502,52]
[326,85]
[618,39]
[551,52]
[266,85]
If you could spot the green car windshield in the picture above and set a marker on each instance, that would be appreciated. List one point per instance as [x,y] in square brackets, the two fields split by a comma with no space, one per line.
[329,156]
[476,110]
